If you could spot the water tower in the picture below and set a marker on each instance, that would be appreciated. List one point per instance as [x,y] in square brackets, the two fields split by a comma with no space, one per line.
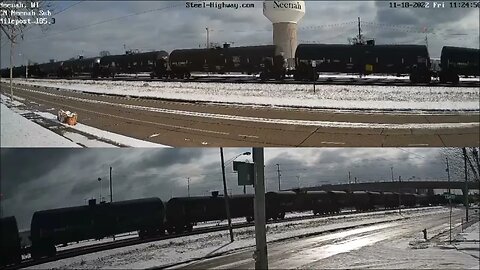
[284,15]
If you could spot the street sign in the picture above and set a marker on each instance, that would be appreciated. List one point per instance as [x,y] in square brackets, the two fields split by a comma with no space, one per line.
[449,196]
[245,172]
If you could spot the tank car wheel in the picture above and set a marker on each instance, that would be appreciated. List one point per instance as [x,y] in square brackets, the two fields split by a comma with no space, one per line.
[455,79]
[187,75]
[189,228]
[50,250]
[443,78]
[143,234]
[179,230]
[413,78]
[263,76]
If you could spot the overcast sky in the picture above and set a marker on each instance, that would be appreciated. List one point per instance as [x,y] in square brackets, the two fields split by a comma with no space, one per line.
[88,27]
[38,179]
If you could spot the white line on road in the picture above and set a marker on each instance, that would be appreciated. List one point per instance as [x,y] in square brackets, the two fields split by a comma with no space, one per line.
[248,136]
[334,143]
[418,144]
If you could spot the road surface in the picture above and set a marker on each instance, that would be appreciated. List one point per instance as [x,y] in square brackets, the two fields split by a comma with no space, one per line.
[397,244]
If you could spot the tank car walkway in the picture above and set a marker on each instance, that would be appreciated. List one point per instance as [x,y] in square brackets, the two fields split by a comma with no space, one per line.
[181,124]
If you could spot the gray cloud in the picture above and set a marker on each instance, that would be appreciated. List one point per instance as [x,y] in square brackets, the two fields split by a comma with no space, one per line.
[113,24]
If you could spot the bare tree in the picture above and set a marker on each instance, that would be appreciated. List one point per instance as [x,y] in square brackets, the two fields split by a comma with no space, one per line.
[456,163]
[17,17]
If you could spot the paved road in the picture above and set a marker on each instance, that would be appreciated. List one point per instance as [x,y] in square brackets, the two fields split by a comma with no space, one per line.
[333,248]
[183,124]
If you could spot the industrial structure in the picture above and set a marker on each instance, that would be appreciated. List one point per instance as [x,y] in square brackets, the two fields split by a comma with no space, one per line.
[285,15]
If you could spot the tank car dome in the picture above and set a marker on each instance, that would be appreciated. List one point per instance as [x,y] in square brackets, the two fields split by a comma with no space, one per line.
[284,11]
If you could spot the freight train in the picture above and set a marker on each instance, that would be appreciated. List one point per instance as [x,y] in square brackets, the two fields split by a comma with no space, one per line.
[94,221]
[310,60]
[10,252]
[152,217]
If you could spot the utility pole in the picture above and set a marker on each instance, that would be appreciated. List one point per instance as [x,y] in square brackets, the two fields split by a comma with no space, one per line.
[391,168]
[359,31]
[355,180]
[111,192]
[449,199]
[11,64]
[225,194]
[26,69]
[278,175]
[188,186]
[100,180]
[298,179]
[208,38]
[260,254]
[466,183]
[349,178]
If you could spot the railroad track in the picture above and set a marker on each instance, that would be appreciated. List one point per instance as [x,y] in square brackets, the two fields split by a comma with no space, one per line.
[63,254]
[321,81]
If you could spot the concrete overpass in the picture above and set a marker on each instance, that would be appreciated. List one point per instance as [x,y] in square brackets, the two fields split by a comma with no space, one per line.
[404,186]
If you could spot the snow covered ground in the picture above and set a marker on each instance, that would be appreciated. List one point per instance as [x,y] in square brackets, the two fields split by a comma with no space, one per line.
[17,131]
[407,253]
[190,248]
[469,241]
[369,97]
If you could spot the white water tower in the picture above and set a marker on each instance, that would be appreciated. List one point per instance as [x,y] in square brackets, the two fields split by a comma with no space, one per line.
[284,15]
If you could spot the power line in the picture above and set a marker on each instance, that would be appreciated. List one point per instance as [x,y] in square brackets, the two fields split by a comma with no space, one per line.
[67,8]
[56,13]
[107,20]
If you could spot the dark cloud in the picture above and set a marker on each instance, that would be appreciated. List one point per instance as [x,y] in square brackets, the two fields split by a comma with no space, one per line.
[13,165]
